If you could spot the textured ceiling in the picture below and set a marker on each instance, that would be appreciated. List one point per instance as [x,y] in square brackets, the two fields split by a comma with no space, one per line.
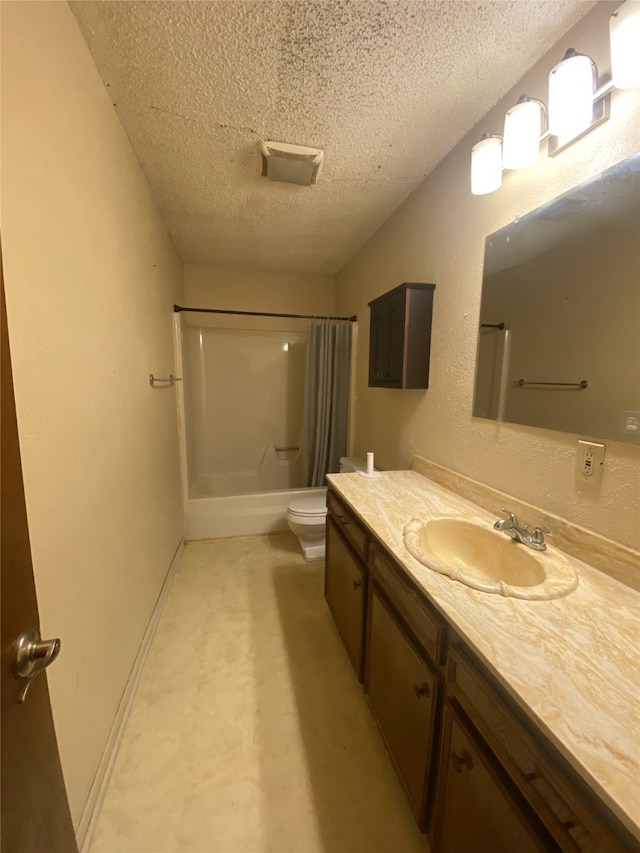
[385,88]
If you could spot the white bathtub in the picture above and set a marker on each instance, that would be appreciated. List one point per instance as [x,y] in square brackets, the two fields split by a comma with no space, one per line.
[239,515]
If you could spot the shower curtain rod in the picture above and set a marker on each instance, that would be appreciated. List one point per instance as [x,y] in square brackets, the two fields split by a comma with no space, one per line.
[178,308]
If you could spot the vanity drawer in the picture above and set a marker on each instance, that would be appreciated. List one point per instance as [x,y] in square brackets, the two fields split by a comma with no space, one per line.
[348,524]
[426,626]
[556,796]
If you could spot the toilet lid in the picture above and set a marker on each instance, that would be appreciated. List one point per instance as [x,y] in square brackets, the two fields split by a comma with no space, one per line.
[312,505]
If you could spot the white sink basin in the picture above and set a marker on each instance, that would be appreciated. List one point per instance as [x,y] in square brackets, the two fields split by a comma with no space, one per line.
[488,560]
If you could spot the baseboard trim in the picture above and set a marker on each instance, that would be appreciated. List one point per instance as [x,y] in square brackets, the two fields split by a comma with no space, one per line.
[86,826]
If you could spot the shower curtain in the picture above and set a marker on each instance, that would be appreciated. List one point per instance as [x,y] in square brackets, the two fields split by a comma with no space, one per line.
[326,404]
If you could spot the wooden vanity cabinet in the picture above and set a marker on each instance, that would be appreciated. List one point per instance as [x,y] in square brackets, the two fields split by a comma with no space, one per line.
[345,579]
[400,337]
[405,642]
[422,622]
[403,691]
[477,811]
[479,774]
[552,793]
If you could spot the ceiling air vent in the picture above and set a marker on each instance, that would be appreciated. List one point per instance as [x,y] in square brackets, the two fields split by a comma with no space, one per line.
[294,164]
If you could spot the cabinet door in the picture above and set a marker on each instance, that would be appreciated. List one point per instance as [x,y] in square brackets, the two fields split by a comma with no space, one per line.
[476,812]
[402,691]
[386,353]
[344,588]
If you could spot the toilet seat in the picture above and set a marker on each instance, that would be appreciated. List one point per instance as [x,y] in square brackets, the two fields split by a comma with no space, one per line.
[308,507]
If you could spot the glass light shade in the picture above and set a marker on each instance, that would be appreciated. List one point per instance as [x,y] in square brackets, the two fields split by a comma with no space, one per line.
[522,126]
[571,88]
[486,165]
[624,29]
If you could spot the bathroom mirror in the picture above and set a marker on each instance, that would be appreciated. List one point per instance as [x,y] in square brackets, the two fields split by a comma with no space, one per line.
[559,337]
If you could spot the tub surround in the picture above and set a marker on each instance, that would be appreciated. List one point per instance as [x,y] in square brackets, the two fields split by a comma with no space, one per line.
[569,663]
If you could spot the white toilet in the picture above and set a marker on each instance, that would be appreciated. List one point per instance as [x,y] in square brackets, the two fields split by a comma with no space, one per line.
[307,516]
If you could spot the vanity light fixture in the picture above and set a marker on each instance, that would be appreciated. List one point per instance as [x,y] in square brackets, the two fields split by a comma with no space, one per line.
[624,30]
[571,86]
[486,165]
[523,125]
[578,102]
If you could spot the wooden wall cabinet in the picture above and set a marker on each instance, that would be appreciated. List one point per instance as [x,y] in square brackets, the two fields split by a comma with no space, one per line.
[479,775]
[400,337]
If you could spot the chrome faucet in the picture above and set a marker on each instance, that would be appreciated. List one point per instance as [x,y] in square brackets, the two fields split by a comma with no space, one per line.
[531,538]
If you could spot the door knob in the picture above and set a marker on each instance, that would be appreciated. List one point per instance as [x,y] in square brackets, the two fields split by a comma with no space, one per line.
[32,655]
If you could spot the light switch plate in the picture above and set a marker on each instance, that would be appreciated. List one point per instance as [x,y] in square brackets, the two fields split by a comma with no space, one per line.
[590,463]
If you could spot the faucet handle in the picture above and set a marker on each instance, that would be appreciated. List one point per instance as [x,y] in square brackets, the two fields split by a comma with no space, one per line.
[537,535]
[512,516]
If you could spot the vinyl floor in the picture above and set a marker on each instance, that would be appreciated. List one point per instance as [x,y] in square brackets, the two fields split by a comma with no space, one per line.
[249,730]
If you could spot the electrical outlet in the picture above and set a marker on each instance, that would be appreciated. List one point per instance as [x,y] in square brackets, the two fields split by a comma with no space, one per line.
[590,463]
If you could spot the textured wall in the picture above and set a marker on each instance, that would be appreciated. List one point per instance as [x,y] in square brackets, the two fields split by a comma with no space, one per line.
[438,236]
[243,289]
[90,276]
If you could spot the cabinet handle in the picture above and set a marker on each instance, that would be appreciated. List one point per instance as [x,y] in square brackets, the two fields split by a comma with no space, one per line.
[343,519]
[422,690]
[554,800]
[464,760]
[356,584]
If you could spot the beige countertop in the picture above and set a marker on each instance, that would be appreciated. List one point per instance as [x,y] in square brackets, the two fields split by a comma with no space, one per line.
[570,663]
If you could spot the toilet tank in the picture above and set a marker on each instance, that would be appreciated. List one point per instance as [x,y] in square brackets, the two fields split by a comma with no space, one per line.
[350,464]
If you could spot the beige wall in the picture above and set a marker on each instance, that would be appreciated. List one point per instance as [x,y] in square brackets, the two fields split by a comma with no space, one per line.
[438,236]
[90,275]
[244,289]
